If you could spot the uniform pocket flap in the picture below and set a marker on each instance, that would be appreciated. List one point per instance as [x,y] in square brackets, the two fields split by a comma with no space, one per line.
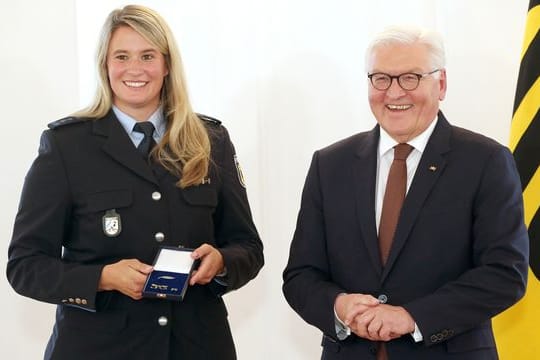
[107,321]
[200,196]
[104,200]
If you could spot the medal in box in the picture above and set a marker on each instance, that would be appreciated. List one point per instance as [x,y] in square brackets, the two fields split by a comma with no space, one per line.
[170,277]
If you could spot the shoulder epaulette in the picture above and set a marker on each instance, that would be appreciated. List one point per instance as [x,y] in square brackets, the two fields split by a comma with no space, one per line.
[209,119]
[65,121]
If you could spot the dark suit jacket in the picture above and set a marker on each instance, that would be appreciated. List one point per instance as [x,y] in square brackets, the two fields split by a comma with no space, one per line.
[459,256]
[88,167]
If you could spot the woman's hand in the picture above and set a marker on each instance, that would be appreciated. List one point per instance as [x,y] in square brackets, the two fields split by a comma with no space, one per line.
[125,276]
[211,264]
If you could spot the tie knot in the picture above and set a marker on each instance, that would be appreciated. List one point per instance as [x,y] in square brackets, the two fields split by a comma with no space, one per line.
[145,127]
[401,151]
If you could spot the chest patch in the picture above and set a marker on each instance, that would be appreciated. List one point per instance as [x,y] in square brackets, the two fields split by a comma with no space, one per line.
[112,223]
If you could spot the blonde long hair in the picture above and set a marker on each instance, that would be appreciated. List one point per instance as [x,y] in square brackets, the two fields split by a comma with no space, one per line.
[185,148]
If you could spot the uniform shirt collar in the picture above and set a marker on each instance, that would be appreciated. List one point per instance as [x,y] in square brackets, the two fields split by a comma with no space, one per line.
[157,119]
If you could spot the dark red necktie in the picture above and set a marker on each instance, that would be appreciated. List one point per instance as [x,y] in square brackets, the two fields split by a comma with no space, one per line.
[394,196]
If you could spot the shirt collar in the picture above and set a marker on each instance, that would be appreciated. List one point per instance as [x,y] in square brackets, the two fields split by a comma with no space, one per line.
[157,119]
[386,142]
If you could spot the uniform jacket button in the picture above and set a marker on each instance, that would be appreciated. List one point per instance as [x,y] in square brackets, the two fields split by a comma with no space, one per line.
[159,236]
[383,299]
[156,195]
[162,321]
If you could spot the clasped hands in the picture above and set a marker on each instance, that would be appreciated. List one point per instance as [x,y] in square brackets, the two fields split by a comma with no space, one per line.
[369,319]
[128,276]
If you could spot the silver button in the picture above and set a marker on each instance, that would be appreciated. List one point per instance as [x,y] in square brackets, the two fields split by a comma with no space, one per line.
[382,299]
[156,195]
[162,321]
[159,236]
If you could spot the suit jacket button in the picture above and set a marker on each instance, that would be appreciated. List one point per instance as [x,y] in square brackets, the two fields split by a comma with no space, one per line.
[159,236]
[84,301]
[383,299]
[162,321]
[156,195]
[78,300]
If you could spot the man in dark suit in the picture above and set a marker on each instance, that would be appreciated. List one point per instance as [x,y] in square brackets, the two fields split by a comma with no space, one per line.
[419,277]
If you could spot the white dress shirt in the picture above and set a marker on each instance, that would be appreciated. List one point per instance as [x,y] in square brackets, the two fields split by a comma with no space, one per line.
[385,156]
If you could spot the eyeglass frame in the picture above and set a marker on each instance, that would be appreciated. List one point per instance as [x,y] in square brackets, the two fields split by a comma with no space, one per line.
[392,77]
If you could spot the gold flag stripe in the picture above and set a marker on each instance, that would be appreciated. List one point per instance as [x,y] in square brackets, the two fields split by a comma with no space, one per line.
[531,28]
[531,198]
[524,114]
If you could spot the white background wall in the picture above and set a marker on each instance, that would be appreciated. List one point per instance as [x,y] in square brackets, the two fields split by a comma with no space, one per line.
[285,76]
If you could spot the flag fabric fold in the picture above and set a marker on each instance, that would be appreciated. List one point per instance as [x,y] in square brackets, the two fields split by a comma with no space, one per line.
[516,329]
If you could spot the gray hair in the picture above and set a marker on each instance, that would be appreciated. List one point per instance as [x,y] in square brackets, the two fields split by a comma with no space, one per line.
[408,35]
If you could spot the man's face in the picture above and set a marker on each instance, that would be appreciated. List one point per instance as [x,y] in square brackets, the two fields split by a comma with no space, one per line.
[405,114]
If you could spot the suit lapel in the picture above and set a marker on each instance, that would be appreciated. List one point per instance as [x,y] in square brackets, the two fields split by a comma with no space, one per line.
[364,175]
[430,167]
[119,146]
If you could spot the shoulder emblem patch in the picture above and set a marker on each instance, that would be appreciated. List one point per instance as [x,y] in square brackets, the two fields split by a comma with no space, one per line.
[239,172]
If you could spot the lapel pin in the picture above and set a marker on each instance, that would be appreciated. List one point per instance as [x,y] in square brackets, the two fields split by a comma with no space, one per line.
[205,181]
[432,168]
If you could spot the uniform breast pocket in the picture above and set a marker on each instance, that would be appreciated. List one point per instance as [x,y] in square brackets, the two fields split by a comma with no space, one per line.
[102,212]
[196,215]
[200,196]
[104,200]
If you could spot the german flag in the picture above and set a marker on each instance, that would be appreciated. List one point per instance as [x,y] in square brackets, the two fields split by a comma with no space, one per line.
[516,329]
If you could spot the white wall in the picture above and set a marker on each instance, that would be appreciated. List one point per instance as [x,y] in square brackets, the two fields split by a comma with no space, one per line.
[285,76]
[39,83]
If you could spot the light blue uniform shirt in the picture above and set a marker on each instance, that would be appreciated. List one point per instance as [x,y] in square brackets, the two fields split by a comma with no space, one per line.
[157,119]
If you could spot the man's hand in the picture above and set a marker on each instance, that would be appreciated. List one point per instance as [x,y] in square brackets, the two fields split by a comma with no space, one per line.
[381,323]
[353,304]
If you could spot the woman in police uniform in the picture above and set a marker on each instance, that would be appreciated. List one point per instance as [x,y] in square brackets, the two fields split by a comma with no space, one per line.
[94,210]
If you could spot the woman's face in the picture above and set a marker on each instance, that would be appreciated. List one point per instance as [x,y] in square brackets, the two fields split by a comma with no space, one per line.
[136,71]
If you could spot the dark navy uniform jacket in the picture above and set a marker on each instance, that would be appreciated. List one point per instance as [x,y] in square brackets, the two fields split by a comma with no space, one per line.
[87,168]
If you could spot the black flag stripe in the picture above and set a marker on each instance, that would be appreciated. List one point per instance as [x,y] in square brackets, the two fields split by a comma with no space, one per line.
[529,70]
[527,151]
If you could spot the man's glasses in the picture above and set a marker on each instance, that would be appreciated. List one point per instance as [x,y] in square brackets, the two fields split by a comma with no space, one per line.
[407,81]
